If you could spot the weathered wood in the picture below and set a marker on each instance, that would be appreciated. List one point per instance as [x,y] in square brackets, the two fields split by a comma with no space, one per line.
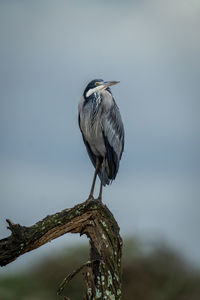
[103,275]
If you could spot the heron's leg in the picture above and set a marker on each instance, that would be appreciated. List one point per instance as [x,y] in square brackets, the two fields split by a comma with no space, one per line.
[100,192]
[94,178]
[101,185]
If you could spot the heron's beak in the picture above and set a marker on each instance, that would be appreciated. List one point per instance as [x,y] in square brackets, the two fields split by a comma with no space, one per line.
[109,83]
[101,86]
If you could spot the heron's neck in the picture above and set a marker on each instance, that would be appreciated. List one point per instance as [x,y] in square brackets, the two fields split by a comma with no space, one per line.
[94,100]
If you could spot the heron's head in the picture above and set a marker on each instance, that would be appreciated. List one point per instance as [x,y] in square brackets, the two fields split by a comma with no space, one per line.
[96,86]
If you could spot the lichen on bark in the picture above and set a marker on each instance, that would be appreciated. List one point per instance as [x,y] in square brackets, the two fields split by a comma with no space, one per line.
[102,275]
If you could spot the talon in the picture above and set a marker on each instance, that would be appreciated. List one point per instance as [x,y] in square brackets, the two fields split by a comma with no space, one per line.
[90,198]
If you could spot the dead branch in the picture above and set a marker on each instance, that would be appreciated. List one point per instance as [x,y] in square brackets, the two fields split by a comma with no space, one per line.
[103,274]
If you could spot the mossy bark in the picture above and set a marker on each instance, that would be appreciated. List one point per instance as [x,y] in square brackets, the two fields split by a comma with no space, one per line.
[103,275]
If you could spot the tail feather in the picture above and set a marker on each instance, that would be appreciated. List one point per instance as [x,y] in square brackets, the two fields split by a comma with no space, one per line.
[104,177]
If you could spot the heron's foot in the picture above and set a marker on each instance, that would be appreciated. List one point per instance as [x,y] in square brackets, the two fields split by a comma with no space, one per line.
[90,198]
[99,199]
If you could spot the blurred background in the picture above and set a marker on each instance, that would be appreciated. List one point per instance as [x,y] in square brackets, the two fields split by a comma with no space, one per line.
[49,51]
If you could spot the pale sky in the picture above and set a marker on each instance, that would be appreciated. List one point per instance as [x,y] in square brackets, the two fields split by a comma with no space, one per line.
[49,51]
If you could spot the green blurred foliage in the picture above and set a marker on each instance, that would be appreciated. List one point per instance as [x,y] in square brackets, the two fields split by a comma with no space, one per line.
[154,274]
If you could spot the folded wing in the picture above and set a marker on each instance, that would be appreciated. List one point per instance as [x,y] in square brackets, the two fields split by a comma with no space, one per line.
[113,132]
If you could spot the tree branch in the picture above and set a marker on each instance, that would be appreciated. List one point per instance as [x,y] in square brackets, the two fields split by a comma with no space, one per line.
[103,276]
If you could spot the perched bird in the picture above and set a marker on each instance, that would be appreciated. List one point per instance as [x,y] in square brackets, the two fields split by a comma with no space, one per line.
[102,131]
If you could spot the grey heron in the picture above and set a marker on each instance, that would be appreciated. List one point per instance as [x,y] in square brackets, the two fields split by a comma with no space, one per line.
[102,131]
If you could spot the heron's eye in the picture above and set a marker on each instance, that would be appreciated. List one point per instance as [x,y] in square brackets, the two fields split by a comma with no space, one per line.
[97,83]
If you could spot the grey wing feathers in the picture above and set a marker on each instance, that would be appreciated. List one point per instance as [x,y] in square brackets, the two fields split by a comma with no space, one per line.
[113,131]
[113,136]
[90,153]
[92,156]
